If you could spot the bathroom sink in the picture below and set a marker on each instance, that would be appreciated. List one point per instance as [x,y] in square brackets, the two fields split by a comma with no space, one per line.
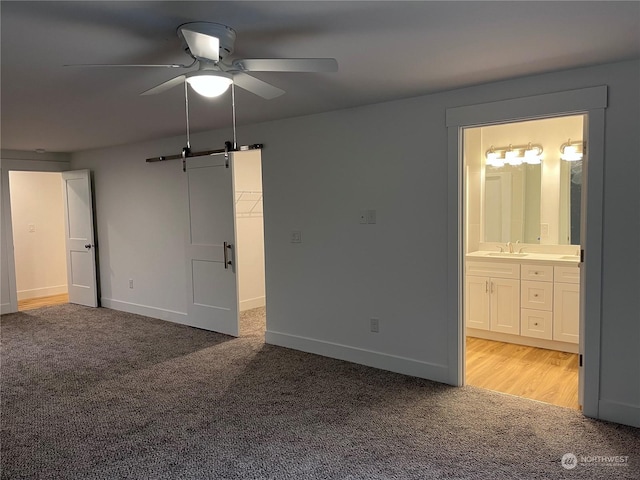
[506,254]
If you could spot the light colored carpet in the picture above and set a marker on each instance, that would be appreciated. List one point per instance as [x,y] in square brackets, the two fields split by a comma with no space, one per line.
[99,394]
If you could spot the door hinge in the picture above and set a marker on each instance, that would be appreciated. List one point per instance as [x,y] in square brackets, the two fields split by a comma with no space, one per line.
[580,359]
[582,255]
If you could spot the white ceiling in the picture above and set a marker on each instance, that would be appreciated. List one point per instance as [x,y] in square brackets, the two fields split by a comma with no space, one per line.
[386,50]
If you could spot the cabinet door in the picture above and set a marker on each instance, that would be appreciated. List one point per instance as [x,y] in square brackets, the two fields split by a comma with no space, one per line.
[566,312]
[505,305]
[476,304]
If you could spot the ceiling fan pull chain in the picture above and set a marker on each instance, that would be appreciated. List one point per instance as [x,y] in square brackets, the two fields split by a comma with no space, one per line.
[186,104]
[233,114]
[186,151]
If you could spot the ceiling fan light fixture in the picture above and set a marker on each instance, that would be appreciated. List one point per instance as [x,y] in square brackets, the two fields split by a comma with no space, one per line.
[210,83]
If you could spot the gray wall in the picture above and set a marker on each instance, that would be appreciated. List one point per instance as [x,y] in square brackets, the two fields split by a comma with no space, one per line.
[318,173]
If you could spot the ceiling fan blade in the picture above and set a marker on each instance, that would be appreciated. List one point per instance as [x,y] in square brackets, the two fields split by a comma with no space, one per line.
[255,86]
[171,65]
[201,45]
[286,64]
[174,82]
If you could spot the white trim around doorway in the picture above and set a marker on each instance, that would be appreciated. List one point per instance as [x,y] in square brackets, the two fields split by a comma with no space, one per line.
[591,101]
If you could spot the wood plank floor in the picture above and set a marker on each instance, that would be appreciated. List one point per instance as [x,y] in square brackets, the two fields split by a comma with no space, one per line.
[32,303]
[536,373]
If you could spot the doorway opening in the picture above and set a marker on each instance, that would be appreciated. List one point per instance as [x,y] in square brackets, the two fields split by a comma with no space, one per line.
[248,196]
[522,197]
[37,219]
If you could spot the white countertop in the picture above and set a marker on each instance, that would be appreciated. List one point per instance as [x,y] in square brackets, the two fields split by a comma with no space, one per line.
[524,257]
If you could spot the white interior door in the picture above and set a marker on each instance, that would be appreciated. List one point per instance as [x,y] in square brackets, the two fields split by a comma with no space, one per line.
[211,269]
[79,238]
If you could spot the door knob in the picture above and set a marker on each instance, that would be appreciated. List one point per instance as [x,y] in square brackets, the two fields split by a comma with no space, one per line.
[88,246]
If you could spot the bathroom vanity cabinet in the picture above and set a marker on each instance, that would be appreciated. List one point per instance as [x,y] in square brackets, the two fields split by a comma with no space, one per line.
[493,297]
[526,302]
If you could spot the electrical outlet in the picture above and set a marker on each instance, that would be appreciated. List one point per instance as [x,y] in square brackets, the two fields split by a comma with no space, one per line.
[296,236]
[374,324]
[32,228]
[131,283]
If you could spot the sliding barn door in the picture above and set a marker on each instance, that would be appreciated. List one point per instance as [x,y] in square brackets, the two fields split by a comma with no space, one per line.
[79,238]
[211,265]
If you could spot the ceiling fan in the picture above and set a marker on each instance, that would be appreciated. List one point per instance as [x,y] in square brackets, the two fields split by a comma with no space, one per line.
[209,44]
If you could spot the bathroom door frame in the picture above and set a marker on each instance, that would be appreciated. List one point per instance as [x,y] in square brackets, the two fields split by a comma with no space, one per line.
[588,101]
[7,165]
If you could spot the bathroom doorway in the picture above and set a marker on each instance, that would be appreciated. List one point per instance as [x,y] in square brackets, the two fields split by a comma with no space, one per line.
[37,219]
[522,184]
[591,103]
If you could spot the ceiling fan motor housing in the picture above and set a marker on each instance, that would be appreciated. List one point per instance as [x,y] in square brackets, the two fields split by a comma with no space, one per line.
[225,35]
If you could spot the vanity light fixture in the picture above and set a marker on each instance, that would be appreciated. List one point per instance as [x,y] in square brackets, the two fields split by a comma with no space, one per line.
[514,155]
[571,151]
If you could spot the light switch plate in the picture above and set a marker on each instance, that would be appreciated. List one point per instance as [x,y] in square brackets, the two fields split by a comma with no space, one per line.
[296,236]
[362,219]
[544,230]
[371,216]
[374,324]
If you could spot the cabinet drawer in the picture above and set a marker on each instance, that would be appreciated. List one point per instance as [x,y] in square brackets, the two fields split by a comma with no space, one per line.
[536,323]
[493,269]
[536,295]
[567,274]
[537,273]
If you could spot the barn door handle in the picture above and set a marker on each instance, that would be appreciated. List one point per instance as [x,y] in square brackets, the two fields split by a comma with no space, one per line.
[227,262]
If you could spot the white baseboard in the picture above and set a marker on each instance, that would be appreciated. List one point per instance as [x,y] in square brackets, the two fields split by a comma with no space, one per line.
[42,292]
[383,361]
[619,412]
[252,303]
[153,312]
[6,308]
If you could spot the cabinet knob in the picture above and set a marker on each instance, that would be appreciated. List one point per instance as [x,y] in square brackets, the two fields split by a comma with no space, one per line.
[535,295]
[536,324]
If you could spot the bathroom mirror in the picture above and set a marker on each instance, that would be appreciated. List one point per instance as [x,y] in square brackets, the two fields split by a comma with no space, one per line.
[512,203]
[570,202]
[526,203]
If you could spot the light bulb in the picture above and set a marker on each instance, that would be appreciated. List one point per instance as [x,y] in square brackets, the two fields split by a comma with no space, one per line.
[498,162]
[570,154]
[512,158]
[492,158]
[532,157]
[210,84]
